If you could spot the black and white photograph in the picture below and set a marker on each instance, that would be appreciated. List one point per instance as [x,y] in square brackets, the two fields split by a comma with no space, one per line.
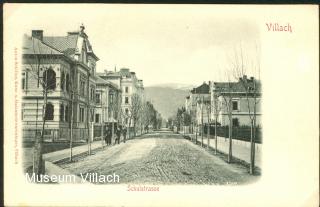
[133,101]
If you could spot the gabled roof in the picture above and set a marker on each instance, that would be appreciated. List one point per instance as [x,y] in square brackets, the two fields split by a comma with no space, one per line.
[66,44]
[33,46]
[237,87]
[202,89]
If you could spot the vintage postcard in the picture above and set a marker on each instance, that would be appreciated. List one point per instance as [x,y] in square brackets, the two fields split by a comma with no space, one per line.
[161,105]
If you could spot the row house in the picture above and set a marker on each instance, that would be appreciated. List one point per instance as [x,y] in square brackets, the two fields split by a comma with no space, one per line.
[67,64]
[129,85]
[197,104]
[245,95]
[108,99]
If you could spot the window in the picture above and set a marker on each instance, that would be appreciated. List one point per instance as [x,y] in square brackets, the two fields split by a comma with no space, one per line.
[111,98]
[49,112]
[66,113]
[81,114]
[61,112]
[97,119]
[91,115]
[92,93]
[24,81]
[235,105]
[62,80]
[97,98]
[126,100]
[67,83]
[49,78]
[127,89]
[235,122]
[127,111]
[83,53]
[82,87]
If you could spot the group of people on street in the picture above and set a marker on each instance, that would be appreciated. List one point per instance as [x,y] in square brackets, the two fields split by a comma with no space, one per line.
[118,131]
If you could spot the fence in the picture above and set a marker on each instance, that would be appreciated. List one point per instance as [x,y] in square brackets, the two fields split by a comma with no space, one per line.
[240,133]
[63,134]
[55,135]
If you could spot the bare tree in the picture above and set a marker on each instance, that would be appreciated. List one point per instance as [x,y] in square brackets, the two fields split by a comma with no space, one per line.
[216,107]
[115,109]
[207,105]
[252,89]
[41,69]
[134,111]
[226,92]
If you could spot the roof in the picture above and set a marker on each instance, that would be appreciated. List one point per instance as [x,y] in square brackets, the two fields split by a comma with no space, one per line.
[101,81]
[34,46]
[66,44]
[236,87]
[202,89]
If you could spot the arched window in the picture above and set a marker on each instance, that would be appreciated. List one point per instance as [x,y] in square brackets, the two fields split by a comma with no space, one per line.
[49,114]
[49,78]
[67,82]
[62,80]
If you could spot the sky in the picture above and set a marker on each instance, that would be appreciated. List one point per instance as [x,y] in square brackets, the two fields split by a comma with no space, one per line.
[185,44]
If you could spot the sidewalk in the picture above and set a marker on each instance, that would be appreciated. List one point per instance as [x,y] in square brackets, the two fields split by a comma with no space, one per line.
[65,153]
[240,149]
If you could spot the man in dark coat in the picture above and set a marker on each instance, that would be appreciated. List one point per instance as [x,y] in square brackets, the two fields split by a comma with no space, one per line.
[118,133]
[124,132]
[108,136]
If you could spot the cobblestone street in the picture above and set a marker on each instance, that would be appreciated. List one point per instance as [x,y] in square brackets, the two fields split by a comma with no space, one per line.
[161,158]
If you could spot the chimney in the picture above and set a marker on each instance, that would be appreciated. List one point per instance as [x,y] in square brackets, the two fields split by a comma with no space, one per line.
[37,34]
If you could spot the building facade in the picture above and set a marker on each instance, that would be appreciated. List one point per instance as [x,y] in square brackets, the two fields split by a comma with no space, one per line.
[67,66]
[131,87]
[243,105]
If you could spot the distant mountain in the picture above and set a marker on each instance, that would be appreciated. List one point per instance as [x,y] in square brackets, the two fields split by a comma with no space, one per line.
[167,98]
[181,86]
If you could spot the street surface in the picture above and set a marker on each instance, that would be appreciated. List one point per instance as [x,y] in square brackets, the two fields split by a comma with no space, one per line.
[161,158]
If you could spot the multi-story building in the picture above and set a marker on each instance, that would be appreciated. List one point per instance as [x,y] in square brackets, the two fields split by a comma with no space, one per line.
[243,101]
[67,65]
[108,99]
[197,104]
[130,86]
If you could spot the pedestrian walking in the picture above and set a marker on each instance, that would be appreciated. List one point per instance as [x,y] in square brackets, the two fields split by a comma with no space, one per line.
[124,132]
[108,136]
[118,133]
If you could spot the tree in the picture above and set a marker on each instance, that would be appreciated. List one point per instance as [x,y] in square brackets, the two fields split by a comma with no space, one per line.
[41,69]
[115,109]
[134,111]
[216,107]
[148,115]
[226,92]
[207,105]
[252,89]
